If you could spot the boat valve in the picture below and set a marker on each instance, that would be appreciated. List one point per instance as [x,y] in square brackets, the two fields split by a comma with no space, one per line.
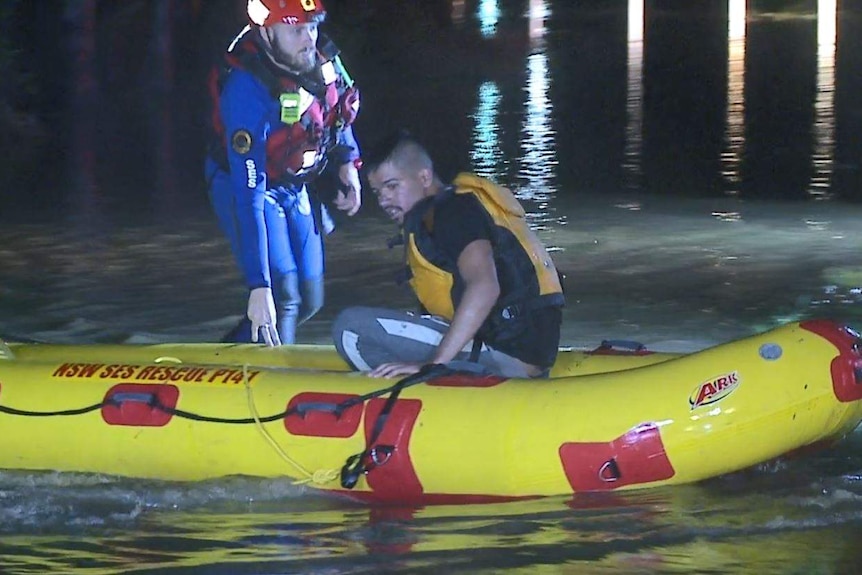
[609,472]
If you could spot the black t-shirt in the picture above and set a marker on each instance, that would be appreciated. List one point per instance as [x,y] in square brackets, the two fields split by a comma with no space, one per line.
[459,220]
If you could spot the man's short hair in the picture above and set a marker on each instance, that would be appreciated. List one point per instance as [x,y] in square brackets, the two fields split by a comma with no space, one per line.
[401,149]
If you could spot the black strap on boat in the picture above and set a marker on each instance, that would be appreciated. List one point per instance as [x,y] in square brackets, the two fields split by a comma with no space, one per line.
[63,412]
[301,409]
[373,454]
[150,399]
[337,409]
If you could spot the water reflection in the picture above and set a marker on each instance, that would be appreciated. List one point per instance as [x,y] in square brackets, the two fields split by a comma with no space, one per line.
[538,158]
[734,132]
[733,153]
[537,172]
[459,10]
[538,12]
[486,155]
[741,523]
[489,15]
[823,155]
[634,95]
[823,129]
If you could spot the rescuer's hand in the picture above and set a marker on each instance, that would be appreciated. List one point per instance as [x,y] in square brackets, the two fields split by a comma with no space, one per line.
[349,197]
[261,312]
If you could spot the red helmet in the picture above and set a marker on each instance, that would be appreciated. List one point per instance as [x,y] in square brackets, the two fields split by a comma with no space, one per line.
[270,12]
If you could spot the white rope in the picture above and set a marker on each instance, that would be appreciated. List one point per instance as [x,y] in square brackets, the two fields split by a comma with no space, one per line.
[319,477]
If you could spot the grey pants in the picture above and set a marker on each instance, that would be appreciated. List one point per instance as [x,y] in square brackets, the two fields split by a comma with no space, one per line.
[367,337]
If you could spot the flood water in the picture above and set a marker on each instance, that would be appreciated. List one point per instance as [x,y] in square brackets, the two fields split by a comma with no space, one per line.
[693,166]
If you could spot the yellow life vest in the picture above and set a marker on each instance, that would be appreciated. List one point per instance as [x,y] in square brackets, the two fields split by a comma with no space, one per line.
[532,279]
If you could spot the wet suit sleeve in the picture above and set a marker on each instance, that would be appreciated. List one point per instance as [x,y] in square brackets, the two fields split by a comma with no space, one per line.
[246,107]
[346,149]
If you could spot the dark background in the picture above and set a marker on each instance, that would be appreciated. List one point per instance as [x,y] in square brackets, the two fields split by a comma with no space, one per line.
[106,100]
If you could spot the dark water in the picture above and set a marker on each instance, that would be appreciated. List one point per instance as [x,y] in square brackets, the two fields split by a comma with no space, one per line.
[697,184]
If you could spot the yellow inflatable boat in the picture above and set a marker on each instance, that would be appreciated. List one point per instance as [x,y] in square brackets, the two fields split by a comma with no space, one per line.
[605,420]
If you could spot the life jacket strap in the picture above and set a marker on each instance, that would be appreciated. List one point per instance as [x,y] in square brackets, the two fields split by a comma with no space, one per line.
[517,309]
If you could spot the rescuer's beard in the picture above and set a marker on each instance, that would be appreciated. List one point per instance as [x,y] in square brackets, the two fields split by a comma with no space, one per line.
[301,62]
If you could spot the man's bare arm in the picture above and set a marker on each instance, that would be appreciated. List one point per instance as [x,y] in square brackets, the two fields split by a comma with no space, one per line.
[477,269]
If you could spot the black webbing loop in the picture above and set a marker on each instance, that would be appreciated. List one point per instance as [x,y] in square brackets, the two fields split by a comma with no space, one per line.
[301,409]
[152,400]
[361,463]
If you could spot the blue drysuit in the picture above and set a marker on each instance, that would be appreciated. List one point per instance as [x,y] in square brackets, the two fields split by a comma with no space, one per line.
[267,213]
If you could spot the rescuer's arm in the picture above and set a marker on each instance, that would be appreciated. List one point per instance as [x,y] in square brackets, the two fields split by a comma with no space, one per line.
[244,108]
[349,196]
[244,114]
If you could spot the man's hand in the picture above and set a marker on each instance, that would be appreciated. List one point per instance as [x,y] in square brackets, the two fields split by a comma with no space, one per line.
[349,198]
[261,312]
[390,370]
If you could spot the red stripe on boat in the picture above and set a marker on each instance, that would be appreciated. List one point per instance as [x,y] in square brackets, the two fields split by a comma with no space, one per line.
[846,369]
[395,479]
[634,458]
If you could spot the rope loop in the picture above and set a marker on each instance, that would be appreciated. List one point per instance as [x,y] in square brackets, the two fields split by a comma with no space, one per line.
[318,477]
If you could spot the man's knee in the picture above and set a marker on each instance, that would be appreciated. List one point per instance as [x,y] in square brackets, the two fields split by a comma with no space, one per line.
[352,318]
[346,330]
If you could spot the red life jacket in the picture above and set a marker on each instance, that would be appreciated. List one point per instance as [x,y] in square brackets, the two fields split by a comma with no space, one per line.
[295,150]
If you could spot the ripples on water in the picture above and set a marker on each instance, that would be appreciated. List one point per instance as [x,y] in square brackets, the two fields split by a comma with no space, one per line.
[687,273]
[741,267]
[798,516]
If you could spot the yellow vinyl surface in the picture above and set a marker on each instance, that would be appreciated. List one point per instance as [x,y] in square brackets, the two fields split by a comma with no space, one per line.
[601,422]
